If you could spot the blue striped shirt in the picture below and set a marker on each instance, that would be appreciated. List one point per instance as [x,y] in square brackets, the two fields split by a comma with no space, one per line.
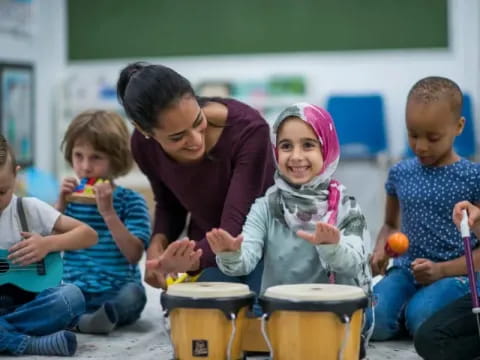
[103,267]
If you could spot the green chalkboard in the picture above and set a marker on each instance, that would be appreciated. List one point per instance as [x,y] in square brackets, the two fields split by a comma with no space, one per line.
[106,29]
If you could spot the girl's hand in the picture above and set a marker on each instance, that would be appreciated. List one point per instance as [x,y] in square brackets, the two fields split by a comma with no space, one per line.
[104,197]
[221,241]
[473,214]
[324,234]
[30,250]
[180,256]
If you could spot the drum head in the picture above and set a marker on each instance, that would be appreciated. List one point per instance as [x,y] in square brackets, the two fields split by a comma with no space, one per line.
[314,292]
[207,290]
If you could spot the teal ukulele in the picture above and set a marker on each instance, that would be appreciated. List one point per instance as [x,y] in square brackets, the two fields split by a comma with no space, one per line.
[35,277]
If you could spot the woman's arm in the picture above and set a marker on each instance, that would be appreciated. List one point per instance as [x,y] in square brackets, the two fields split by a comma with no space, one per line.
[252,175]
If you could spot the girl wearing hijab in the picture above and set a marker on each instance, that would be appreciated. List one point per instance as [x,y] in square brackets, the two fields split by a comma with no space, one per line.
[306,227]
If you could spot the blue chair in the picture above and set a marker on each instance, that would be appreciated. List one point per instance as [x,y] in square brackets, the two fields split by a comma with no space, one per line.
[464,144]
[360,124]
[39,184]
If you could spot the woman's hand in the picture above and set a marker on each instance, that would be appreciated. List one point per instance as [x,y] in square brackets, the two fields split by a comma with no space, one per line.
[180,256]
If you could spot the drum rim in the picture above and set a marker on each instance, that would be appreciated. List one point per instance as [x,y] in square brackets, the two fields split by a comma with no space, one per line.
[210,289]
[228,305]
[339,306]
[284,292]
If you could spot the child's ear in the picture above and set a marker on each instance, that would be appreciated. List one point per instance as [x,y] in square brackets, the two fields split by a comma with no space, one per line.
[461,125]
[17,169]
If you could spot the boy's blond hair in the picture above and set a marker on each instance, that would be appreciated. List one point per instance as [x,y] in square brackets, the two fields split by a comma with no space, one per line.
[106,132]
[7,154]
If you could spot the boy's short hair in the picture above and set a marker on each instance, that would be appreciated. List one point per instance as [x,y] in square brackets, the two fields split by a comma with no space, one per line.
[106,132]
[435,88]
[7,154]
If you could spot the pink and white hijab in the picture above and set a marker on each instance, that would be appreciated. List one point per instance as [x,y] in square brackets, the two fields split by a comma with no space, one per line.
[301,207]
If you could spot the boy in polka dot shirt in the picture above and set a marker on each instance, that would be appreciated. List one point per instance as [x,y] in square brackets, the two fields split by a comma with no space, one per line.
[422,192]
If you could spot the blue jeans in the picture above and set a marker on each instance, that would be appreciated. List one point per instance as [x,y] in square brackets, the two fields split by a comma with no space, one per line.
[128,302]
[402,304]
[50,311]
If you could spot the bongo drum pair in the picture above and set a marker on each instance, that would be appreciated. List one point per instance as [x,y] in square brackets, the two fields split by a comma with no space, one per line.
[300,322]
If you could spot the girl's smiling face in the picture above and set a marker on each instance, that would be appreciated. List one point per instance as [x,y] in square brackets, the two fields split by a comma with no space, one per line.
[299,152]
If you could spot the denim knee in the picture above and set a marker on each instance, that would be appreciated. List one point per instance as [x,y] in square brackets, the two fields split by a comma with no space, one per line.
[73,299]
[132,294]
[385,326]
[130,303]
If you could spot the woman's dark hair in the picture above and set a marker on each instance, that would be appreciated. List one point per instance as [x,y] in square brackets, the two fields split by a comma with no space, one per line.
[144,90]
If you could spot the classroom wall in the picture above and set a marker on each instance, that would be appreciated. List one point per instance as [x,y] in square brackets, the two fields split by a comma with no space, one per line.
[389,72]
[46,50]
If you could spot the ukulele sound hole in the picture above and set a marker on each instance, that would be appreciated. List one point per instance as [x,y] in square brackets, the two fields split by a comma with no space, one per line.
[4,266]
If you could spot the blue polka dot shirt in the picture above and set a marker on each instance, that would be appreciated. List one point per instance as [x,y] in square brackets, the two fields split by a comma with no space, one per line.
[427,196]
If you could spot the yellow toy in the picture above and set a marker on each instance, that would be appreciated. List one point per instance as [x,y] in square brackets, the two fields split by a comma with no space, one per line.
[181,278]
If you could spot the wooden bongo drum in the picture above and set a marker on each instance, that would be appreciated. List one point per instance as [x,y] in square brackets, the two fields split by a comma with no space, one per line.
[313,321]
[207,319]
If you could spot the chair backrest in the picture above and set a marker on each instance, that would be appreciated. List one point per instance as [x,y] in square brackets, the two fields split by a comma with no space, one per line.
[465,144]
[360,124]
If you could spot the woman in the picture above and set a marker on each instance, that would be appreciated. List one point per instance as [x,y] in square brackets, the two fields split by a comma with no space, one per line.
[209,157]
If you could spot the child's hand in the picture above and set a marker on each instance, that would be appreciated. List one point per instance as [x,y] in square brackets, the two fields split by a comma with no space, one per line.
[104,197]
[30,250]
[68,186]
[180,256]
[426,271]
[379,262]
[473,214]
[221,241]
[324,234]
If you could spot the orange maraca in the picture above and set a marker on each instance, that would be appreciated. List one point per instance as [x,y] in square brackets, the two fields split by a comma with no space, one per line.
[397,244]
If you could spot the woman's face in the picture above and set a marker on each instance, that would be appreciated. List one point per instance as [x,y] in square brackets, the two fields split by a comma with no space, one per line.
[181,130]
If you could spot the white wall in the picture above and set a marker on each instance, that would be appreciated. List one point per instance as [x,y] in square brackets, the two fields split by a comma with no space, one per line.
[391,73]
[46,50]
